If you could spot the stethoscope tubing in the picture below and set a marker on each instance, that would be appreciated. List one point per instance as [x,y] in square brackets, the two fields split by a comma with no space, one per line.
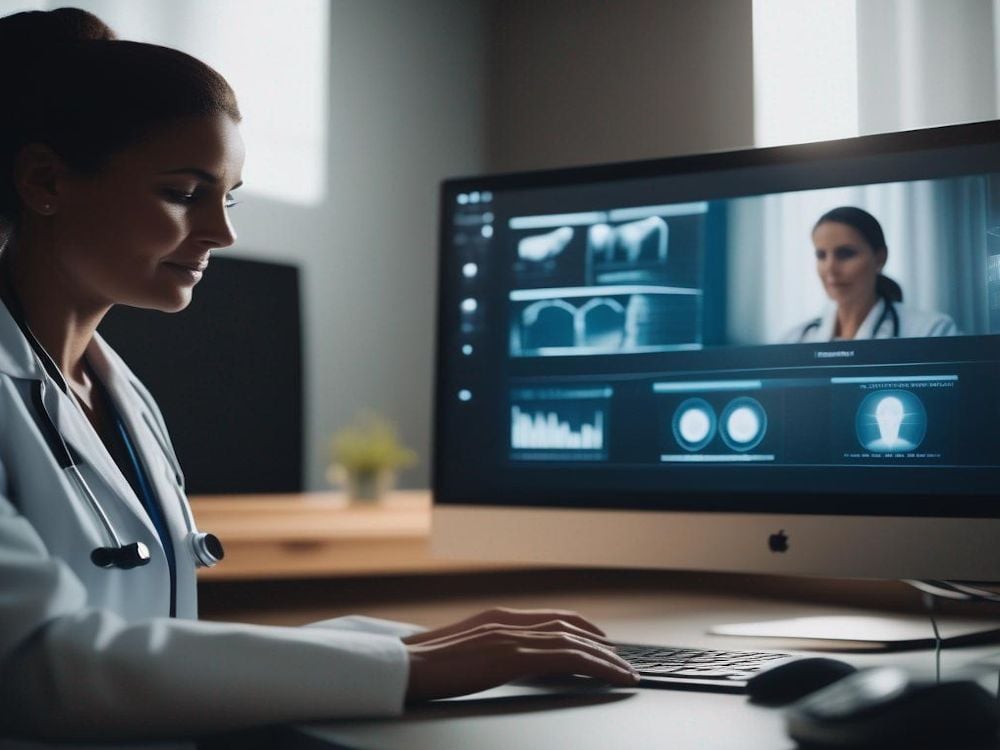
[65,460]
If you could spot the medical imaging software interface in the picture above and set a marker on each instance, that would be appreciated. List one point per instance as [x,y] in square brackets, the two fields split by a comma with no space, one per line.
[636,335]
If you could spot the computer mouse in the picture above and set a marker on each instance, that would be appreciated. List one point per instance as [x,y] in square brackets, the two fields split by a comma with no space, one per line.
[788,680]
[885,707]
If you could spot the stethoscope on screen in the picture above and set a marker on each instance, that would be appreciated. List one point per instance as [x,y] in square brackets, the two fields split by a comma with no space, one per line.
[888,311]
[207,548]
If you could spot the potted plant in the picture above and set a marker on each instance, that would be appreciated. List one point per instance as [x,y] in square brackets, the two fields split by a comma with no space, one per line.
[366,455]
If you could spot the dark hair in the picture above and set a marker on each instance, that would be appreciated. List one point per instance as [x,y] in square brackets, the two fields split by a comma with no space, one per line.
[70,84]
[868,227]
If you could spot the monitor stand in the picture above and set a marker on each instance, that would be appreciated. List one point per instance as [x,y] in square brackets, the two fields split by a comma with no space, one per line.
[865,633]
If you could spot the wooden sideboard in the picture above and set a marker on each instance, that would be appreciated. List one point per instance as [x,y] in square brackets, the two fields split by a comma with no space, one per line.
[323,534]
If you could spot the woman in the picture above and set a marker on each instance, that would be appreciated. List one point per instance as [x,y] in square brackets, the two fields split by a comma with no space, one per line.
[119,164]
[850,255]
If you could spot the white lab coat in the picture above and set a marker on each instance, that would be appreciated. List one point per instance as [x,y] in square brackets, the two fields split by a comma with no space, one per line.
[913,323]
[91,653]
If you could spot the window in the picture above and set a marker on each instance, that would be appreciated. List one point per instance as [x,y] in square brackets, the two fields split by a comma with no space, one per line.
[805,58]
[275,56]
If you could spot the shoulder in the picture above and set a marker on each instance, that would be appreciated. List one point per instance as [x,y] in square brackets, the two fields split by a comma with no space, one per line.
[914,322]
[811,330]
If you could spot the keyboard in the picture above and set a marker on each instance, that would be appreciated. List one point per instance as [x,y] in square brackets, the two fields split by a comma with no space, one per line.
[696,669]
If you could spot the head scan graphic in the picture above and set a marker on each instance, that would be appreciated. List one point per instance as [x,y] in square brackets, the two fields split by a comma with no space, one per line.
[893,421]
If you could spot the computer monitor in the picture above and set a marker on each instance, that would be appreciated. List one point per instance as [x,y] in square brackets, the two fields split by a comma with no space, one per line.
[638,363]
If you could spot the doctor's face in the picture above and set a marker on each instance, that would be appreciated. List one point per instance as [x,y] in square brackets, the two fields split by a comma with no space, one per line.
[847,265]
[140,231]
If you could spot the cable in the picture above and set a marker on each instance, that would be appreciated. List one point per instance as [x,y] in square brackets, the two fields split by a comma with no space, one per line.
[954,590]
[928,600]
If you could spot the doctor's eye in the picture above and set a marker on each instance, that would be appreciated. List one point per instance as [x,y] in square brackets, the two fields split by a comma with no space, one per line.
[180,197]
[845,253]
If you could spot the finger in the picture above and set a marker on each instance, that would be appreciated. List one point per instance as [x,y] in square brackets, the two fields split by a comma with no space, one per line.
[578,662]
[538,616]
[564,641]
[510,639]
[552,626]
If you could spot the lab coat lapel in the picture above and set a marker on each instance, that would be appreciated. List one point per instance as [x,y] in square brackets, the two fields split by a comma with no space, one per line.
[137,419]
[80,435]
[867,328]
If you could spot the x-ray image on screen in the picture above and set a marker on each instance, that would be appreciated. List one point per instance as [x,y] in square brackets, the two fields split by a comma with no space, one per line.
[603,320]
[661,244]
[893,421]
[632,252]
[550,255]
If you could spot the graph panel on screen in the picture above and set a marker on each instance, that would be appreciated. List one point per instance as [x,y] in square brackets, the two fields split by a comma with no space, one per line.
[686,356]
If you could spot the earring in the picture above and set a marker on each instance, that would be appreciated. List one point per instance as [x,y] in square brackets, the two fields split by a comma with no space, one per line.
[46,209]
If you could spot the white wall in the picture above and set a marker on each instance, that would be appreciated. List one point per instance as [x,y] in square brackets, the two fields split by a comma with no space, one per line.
[585,81]
[406,102]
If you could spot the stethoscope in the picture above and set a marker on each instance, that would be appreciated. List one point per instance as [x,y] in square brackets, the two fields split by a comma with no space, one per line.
[206,548]
[888,312]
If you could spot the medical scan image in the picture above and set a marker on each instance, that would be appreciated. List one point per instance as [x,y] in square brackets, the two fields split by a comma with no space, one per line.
[892,421]
[621,281]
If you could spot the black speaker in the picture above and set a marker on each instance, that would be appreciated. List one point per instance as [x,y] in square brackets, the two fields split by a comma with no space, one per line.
[227,374]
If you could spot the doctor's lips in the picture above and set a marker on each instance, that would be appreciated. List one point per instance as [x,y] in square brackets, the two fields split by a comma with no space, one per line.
[190,270]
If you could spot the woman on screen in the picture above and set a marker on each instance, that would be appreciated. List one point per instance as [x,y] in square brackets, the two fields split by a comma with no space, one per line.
[865,303]
[119,163]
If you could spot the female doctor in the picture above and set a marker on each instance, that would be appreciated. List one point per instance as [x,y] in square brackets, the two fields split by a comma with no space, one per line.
[865,304]
[119,163]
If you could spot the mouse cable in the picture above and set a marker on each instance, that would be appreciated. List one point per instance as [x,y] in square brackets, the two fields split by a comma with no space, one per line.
[929,603]
[954,590]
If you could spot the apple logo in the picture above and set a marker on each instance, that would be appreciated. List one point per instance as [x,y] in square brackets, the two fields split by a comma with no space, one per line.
[778,542]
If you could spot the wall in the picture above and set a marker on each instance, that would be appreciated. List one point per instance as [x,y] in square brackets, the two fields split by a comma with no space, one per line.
[581,81]
[406,95]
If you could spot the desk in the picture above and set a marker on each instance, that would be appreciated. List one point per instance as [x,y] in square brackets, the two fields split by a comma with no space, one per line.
[574,714]
[323,535]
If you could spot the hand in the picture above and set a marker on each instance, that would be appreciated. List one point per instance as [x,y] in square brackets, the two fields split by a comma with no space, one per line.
[500,645]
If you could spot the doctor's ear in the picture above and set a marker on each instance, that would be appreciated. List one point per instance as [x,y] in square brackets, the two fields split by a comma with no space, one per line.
[37,173]
[881,256]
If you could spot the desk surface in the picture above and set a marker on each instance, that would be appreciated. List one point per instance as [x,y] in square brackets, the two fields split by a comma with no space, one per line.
[582,715]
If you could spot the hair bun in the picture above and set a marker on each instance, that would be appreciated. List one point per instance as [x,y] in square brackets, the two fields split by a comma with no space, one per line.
[31,31]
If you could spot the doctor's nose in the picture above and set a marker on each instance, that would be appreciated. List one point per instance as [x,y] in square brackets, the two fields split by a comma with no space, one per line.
[215,229]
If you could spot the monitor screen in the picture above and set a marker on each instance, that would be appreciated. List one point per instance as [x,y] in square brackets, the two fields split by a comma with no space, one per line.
[808,330]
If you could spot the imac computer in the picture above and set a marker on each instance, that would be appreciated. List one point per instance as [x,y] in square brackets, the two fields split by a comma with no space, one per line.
[687,363]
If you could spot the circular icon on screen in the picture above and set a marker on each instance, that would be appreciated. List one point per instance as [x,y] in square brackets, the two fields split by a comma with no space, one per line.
[891,422]
[743,423]
[694,424]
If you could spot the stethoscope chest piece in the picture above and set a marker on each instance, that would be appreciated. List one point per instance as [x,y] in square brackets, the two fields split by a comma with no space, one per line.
[208,550]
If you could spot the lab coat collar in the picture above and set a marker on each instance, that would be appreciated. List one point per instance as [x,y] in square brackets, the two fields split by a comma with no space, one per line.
[122,387]
[83,440]
[16,358]
[828,322]
[867,329]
